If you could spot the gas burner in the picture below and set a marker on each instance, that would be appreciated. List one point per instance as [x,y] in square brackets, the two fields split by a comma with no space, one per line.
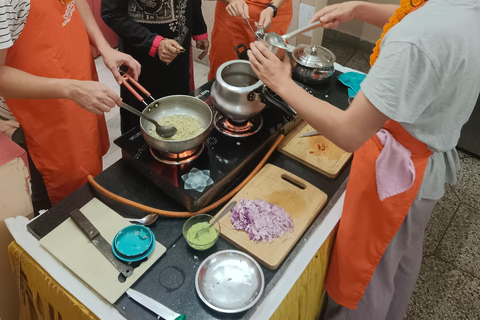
[177,158]
[242,128]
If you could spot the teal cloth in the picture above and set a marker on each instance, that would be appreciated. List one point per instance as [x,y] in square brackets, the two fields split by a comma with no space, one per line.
[352,80]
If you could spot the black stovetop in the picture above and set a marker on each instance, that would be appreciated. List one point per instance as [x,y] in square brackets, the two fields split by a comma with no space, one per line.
[223,161]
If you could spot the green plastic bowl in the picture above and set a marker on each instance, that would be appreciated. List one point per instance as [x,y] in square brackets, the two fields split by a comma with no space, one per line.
[200,243]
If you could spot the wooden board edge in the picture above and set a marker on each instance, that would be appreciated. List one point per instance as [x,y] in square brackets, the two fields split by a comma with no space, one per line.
[291,135]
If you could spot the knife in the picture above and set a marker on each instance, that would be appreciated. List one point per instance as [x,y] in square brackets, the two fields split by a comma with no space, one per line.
[154,306]
[96,238]
[309,133]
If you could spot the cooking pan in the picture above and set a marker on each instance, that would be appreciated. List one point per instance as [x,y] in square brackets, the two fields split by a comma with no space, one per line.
[169,106]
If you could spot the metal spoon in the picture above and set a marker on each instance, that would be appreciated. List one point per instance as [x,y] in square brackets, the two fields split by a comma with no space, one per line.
[277,40]
[224,212]
[145,221]
[259,34]
[162,131]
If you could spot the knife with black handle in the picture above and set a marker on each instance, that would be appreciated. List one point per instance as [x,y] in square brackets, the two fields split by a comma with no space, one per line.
[96,238]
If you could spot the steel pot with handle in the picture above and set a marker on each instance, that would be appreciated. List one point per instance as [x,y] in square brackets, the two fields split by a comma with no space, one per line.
[169,106]
[312,64]
[239,94]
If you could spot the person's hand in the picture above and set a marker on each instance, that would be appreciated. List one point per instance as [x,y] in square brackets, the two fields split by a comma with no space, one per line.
[331,16]
[265,20]
[202,45]
[238,8]
[113,59]
[168,50]
[93,96]
[274,72]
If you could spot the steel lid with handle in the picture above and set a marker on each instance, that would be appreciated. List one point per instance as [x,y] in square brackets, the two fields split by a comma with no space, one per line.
[313,56]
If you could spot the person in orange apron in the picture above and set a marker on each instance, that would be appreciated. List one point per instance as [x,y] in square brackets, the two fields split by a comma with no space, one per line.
[403,127]
[49,83]
[230,29]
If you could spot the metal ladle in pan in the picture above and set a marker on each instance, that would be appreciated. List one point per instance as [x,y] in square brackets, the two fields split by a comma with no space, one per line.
[162,131]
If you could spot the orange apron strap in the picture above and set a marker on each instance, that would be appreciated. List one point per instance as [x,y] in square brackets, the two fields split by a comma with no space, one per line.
[66,142]
[367,224]
[228,32]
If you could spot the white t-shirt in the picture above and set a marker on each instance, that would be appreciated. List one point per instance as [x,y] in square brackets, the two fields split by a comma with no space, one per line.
[427,78]
[13,15]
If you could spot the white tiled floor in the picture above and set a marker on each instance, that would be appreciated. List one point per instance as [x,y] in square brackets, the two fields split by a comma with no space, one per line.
[113,117]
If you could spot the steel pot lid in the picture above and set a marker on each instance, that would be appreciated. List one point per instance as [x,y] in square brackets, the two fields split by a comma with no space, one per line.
[313,56]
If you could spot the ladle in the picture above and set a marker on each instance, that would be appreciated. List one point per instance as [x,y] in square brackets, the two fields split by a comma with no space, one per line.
[277,40]
[162,131]
[255,34]
[145,221]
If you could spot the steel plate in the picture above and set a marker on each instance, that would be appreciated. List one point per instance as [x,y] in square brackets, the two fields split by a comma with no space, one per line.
[229,281]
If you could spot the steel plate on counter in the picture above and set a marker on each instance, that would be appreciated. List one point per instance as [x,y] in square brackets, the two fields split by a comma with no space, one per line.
[229,281]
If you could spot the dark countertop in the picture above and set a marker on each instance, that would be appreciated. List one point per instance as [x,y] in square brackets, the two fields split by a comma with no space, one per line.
[171,279]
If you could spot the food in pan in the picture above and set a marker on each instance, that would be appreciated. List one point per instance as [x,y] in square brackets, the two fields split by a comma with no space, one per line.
[262,220]
[187,127]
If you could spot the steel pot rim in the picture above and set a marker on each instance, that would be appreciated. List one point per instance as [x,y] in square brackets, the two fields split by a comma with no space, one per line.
[231,87]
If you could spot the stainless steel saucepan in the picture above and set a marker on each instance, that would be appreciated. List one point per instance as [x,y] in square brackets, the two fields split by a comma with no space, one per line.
[170,106]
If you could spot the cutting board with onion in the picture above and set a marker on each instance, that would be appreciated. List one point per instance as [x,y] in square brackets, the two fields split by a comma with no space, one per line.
[300,199]
[316,152]
[69,245]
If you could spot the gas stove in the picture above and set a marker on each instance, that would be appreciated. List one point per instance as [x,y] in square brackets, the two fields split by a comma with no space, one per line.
[196,178]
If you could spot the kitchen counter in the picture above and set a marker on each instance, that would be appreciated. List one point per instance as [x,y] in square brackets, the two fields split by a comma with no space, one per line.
[171,279]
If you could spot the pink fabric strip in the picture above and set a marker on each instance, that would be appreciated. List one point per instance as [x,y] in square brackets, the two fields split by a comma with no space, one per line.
[155,44]
[200,37]
[395,172]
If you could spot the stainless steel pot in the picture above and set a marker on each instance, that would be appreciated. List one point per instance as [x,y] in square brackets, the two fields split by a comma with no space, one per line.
[238,94]
[312,64]
[169,106]
[236,91]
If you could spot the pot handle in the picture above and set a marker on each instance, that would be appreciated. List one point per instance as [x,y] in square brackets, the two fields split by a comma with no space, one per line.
[241,54]
[125,78]
[287,110]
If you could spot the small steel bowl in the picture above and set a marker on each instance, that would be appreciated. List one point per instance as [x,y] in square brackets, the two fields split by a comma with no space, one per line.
[229,281]
[194,243]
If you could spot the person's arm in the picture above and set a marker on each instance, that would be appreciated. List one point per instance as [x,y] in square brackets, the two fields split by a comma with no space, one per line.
[347,129]
[266,16]
[112,58]
[199,31]
[115,15]
[373,13]
[90,95]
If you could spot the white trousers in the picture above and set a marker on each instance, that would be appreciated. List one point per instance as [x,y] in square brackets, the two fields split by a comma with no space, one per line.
[387,296]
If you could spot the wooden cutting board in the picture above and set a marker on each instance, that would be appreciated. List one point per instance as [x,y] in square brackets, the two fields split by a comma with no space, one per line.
[316,152]
[301,200]
[69,245]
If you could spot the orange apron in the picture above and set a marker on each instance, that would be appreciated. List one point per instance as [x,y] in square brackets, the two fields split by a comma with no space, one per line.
[228,32]
[66,142]
[367,224]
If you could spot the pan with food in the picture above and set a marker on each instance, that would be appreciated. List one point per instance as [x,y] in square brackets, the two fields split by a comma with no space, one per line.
[192,117]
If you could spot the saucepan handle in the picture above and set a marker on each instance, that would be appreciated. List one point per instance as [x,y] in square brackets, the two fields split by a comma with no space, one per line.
[126,78]
[287,110]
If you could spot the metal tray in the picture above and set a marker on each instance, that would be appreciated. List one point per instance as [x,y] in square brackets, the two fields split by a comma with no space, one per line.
[229,281]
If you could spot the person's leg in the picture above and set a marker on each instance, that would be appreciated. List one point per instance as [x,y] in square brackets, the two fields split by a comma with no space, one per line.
[40,199]
[409,267]
[392,283]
